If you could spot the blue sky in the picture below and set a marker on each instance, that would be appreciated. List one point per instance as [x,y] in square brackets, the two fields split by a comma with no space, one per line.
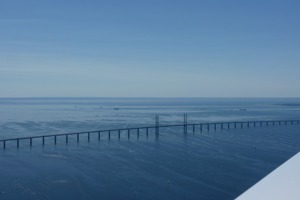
[154,48]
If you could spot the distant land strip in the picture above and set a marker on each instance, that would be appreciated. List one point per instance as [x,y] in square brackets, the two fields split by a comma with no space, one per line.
[289,104]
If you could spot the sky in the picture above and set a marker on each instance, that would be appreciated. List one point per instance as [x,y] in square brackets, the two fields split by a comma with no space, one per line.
[154,48]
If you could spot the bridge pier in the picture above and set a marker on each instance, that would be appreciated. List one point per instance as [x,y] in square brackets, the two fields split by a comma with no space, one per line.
[147,132]
[157,124]
[185,123]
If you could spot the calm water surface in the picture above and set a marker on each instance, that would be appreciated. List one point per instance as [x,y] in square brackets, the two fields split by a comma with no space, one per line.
[208,165]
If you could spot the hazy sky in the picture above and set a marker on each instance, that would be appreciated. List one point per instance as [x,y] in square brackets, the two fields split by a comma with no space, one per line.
[150,48]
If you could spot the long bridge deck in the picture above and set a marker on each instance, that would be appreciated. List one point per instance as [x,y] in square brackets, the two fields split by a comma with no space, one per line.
[195,127]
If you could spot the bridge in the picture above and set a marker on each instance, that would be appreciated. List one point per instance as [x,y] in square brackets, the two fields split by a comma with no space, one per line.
[200,127]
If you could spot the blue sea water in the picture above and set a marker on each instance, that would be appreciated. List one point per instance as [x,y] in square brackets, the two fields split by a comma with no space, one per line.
[209,165]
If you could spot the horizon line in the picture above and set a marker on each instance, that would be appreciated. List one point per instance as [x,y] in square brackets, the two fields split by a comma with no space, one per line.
[140,97]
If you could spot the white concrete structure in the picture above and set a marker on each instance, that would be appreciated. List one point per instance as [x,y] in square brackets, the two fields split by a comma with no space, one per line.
[283,183]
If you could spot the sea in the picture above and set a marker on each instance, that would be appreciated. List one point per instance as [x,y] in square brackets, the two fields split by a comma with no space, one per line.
[209,165]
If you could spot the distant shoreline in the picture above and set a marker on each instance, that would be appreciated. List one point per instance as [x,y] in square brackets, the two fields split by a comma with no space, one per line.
[151,98]
[289,104]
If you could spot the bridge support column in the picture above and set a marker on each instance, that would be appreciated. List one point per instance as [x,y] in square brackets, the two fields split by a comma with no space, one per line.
[185,123]
[156,124]
[147,132]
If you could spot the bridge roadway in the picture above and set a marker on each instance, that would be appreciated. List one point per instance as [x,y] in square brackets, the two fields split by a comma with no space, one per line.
[156,127]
